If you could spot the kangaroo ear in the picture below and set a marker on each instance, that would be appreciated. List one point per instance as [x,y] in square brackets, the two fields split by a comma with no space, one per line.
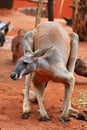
[41,52]
[5,28]
[27,42]
[26,46]
[21,32]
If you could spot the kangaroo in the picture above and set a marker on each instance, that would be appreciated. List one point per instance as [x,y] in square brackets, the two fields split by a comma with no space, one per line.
[16,47]
[54,56]
[81,68]
[3,31]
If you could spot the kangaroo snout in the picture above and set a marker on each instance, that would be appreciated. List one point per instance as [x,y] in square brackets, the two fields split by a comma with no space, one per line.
[14,75]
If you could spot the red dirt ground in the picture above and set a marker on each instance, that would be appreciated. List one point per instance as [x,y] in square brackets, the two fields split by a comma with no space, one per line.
[11,97]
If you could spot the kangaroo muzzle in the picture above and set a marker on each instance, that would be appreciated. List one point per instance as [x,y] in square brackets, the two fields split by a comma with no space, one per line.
[14,75]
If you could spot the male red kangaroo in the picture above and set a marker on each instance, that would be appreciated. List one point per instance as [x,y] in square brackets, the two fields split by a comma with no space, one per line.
[54,57]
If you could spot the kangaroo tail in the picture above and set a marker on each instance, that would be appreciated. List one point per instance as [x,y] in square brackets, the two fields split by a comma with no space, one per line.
[73,52]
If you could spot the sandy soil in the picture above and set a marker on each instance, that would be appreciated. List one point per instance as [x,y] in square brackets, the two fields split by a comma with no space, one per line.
[11,97]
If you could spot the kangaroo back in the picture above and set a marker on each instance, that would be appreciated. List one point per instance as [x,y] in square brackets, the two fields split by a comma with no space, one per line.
[50,34]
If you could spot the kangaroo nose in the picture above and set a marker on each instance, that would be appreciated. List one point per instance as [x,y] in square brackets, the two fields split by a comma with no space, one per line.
[13,75]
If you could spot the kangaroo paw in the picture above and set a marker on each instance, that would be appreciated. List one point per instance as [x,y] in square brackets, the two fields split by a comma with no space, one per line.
[25,115]
[44,118]
[81,117]
[64,119]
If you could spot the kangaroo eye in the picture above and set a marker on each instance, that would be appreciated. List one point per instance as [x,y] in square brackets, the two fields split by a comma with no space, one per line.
[25,63]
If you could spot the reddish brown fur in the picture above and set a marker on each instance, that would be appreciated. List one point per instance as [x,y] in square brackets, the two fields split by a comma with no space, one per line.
[81,68]
[16,47]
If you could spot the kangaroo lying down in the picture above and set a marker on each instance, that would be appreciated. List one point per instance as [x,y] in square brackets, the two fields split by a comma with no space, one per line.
[81,68]
[54,57]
